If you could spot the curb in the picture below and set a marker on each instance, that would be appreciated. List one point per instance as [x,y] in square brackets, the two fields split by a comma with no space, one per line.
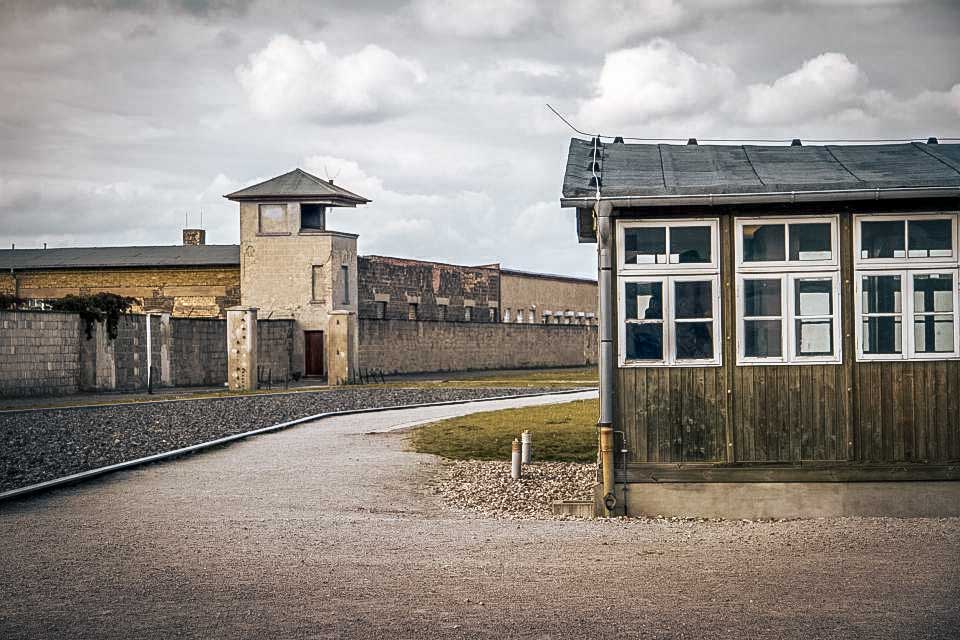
[175,453]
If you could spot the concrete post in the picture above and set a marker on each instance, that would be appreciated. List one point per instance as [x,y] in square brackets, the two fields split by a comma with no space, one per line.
[526,441]
[242,348]
[166,346]
[515,460]
[341,345]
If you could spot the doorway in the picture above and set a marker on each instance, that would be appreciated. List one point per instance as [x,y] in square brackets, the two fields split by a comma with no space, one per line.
[313,343]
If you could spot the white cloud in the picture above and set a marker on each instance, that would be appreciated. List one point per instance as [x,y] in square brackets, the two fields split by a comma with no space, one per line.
[822,86]
[475,18]
[654,81]
[300,78]
[610,23]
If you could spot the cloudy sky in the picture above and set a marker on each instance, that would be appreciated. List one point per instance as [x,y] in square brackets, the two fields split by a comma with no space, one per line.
[118,118]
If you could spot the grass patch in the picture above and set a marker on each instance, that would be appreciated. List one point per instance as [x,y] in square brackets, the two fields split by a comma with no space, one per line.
[562,432]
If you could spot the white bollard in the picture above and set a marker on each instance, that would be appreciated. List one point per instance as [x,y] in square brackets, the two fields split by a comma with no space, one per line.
[526,441]
[515,460]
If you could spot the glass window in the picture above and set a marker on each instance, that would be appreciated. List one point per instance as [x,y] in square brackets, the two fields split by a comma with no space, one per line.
[312,216]
[882,239]
[273,218]
[764,243]
[763,318]
[881,300]
[644,315]
[693,314]
[645,245]
[811,241]
[813,312]
[933,313]
[689,245]
[930,238]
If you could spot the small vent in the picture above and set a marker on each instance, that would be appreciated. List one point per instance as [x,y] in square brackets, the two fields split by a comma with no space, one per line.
[692,141]
[796,143]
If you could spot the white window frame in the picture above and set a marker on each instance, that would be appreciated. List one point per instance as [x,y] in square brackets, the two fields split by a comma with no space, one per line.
[907,311]
[707,267]
[906,262]
[781,265]
[670,321]
[788,318]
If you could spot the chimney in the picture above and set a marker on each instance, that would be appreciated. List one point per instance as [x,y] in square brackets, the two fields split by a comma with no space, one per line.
[194,237]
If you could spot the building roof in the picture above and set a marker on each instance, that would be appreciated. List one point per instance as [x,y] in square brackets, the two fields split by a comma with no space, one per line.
[119,257]
[298,185]
[548,276]
[683,174]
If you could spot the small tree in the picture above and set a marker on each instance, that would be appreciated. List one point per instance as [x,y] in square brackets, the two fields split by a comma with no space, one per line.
[96,308]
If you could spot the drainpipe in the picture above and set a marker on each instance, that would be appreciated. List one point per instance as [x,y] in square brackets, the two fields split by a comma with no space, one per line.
[603,210]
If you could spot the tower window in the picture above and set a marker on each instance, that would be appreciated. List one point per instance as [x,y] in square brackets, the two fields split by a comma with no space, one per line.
[312,217]
[345,280]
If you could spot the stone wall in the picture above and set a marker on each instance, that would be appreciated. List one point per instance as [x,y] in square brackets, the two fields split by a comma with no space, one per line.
[182,291]
[401,346]
[538,298]
[394,283]
[39,353]
[48,353]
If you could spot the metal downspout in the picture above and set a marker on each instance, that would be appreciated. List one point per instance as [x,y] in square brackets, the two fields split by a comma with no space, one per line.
[602,210]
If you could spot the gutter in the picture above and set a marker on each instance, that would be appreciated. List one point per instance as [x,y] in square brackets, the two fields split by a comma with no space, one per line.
[711,199]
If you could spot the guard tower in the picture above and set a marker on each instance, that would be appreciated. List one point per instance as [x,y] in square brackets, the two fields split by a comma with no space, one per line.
[292,266]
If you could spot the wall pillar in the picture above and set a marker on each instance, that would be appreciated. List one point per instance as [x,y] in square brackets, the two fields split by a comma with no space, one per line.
[242,348]
[165,347]
[341,347]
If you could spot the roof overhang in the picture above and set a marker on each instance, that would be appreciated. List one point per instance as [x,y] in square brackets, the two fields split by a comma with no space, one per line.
[767,197]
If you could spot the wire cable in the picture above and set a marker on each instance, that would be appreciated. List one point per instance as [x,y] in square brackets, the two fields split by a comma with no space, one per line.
[769,140]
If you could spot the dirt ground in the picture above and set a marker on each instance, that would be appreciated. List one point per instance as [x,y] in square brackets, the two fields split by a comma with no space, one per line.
[328,531]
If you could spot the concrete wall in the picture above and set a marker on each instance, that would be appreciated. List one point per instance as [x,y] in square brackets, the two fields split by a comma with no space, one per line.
[397,281]
[39,353]
[198,352]
[275,340]
[402,346]
[534,294]
[182,291]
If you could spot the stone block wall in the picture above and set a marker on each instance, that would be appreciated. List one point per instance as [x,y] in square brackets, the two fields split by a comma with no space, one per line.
[401,346]
[275,347]
[395,282]
[198,354]
[130,352]
[39,353]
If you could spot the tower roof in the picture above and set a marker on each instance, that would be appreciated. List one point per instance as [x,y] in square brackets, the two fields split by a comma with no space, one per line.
[298,185]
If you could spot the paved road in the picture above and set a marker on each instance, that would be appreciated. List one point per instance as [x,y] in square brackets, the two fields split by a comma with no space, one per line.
[326,531]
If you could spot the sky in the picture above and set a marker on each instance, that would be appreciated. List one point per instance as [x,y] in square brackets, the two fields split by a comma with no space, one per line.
[120,118]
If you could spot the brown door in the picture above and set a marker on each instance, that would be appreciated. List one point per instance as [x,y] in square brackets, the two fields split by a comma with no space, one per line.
[314,352]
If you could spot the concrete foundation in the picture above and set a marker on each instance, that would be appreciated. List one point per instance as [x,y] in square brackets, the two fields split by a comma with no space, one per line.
[929,499]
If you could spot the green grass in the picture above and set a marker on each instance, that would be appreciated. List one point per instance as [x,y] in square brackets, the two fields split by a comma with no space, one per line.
[562,432]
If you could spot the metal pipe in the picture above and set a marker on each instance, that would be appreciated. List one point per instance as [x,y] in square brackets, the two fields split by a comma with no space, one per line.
[526,441]
[606,464]
[515,460]
[821,195]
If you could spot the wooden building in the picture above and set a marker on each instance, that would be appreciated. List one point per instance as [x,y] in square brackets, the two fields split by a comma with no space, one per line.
[779,328]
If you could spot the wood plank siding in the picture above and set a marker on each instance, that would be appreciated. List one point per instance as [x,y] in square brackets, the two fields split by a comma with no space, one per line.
[820,422]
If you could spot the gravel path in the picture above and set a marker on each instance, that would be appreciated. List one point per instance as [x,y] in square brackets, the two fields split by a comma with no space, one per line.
[41,445]
[332,530]
[486,488]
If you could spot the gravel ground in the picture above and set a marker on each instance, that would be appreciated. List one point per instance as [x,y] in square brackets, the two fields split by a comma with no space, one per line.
[41,445]
[486,488]
[331,530]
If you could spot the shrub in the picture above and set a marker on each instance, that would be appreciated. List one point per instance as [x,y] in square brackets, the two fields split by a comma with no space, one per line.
[96,308]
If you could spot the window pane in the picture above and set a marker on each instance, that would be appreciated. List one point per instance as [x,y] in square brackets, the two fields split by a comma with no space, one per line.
[814,337]
[881,294]
[764,243]
[930,238]
[694,340]
[761,298]
[646,245]
[814,297]
[644,300]
[694,299]
[933,334]
[882,239]
[882,335]
[273,218]
[645,341]
[689,244]
[762,339]
[933,293]
[810,241]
